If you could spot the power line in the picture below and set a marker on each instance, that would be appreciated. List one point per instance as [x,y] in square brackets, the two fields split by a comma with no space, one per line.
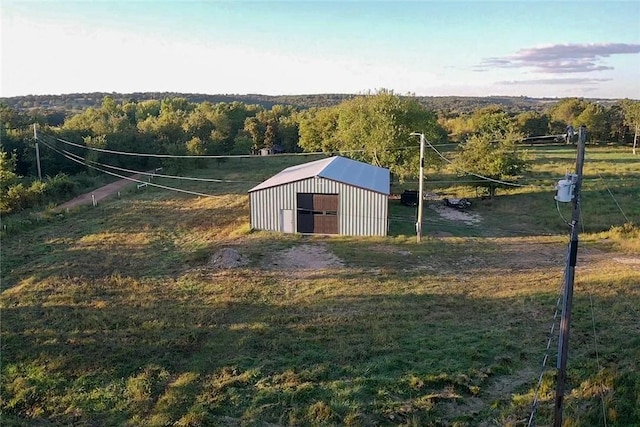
[78,159]
[172,156]
[432,146]
[155,174]
[595,343]
[545,358]
[497,181]
[127,177]
[614,198]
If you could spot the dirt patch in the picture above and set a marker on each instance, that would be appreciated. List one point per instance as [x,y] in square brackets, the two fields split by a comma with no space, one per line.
[99,193]
[521,256]
[304,257]
[453,214]
[227,258]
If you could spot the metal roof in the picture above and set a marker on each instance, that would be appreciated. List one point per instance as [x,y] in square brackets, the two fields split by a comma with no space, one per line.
[336,168]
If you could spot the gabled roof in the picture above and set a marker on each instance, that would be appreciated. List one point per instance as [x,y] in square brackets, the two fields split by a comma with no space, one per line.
[336,168]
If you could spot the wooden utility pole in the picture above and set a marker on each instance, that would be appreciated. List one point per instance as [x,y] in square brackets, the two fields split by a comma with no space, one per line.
[35,136]
[420,188]
[567,298]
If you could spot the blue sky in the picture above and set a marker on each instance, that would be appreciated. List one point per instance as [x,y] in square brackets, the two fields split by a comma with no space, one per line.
[472,48]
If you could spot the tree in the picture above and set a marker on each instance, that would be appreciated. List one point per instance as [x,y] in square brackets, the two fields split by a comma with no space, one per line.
[91,154]
[632,119]
[9,180]
[195,147]
[270,135]
[8,176]
[149,108]
[594,117]
[564,113]
[375,129]
[289,134]
[318,130]
[199,124]
[255,129]
[492,155]
[167,127]
[532,123]
[616,124]
[491,119]
[15,131]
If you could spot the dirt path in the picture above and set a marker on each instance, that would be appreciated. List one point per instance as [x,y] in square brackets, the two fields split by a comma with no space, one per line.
[99,193]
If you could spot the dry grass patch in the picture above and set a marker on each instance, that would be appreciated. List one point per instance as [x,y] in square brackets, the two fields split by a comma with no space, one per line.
[343,331]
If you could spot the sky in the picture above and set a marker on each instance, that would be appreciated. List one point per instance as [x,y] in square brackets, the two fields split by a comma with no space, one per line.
[532,48]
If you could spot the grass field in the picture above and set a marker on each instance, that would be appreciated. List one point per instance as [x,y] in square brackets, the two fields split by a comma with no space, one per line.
[114,315]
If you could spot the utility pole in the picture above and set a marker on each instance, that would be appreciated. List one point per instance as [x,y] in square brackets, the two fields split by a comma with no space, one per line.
[570,268]
[420,188]
[35,136]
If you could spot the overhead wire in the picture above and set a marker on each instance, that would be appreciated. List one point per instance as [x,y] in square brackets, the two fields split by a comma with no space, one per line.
[96,166]
[595,340]
[152,174]
[626,218]
[155,174]
[78,159]
[194,193]
[550,338]
[432,146]
[614,198]
[176,156]
[551,335]
[595,343]
[486,178]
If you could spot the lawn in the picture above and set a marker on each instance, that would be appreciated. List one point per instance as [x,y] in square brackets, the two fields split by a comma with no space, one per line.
[115,315]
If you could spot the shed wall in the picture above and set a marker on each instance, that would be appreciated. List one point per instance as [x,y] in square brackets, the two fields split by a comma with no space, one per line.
[360,213]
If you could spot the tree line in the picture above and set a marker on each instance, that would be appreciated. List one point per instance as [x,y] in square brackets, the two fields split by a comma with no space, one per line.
[54,107]
[374,128]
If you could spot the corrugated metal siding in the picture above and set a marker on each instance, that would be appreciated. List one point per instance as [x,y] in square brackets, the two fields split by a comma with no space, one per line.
[361,212]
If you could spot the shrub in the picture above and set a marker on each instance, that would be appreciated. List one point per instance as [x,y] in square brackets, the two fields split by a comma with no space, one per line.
[14,199]
[18,197]
[60,185]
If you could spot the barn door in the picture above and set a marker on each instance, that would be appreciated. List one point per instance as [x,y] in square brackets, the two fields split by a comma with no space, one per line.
[317,213]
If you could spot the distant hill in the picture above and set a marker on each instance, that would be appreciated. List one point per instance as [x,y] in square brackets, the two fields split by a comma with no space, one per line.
[74,102]
[81,101]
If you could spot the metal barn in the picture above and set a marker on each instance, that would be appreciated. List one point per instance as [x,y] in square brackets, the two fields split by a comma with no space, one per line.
[335,195]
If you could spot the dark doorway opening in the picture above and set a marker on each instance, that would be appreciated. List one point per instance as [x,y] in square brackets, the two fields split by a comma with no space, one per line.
[317,213]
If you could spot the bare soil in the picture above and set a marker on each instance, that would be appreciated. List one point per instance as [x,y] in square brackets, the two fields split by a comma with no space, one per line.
[228,258]
[99,193]
[300,260]
[454,214]
[304,257]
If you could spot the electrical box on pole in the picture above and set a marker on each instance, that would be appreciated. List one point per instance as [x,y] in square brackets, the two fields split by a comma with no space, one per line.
[565,188]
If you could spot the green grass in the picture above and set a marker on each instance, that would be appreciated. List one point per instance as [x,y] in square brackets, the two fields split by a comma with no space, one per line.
[111,315]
